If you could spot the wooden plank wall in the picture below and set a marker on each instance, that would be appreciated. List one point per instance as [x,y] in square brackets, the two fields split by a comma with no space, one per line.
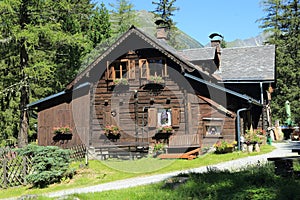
[74,115]
[124,105]
[190,107]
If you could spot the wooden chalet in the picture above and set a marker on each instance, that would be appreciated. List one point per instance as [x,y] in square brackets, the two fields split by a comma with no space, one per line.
[154,94]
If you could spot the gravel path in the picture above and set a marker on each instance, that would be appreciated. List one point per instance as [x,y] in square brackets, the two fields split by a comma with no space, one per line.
[282,149]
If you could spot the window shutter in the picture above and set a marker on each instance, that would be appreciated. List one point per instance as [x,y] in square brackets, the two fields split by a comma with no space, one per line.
[152,117]
[175,117]
[144,68]
[131,67]
[110,72]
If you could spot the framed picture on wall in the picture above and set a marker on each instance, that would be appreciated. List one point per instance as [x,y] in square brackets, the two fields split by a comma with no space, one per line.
[164,117]
[213,127]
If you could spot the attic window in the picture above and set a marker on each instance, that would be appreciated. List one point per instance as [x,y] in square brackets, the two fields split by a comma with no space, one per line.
[153,67]
[157,67]
[121,69]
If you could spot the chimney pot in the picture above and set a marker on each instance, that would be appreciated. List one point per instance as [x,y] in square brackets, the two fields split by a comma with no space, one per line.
[216,39]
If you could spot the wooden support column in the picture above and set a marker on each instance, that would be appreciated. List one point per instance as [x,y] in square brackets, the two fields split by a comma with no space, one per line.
[186,113]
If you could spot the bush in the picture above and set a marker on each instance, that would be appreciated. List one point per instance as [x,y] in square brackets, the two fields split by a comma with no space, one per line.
[50,164]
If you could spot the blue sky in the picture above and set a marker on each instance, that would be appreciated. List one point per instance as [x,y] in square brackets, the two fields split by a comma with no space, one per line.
[234,19]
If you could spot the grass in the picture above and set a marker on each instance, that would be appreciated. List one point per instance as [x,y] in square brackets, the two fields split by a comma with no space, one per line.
[253,183]
[106,171]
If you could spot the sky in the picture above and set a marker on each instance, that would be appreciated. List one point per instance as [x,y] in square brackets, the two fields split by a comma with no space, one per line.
[234,19]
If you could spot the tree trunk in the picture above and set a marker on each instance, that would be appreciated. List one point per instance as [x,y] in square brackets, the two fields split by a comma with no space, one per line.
[24,101]
[24,119]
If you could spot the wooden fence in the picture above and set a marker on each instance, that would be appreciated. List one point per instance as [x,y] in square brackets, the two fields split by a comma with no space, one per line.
[14,168]
[78,152]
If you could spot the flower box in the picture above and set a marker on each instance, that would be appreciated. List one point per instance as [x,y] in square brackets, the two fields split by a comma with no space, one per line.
[223,146]
[112,132]
[62,137]
[62,130]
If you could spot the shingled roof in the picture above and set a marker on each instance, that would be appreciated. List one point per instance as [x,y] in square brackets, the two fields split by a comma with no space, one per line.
[248,63]
[239,64]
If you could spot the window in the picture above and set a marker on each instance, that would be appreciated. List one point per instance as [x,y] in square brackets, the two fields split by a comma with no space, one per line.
[153,67]
[120,69]
[156,67]
[213,127]
[164,117]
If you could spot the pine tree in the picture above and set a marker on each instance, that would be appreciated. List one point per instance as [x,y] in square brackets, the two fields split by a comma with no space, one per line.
[100,26]
[122,16]
[165,10]
[282,21]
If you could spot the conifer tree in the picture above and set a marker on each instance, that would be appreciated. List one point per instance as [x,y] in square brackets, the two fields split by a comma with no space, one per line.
[42,43]
[282,21]
[165,10]
[122,16]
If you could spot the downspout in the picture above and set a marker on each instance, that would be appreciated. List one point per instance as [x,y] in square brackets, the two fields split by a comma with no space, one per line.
[239,126]
[262,102]
[261,93]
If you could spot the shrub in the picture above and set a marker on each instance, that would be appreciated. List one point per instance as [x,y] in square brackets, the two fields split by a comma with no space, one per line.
[50,164]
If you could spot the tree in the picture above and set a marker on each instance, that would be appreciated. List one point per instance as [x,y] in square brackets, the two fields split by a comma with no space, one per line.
[282,21]
[165,10]
[122,16]
[43,44]
[100,26]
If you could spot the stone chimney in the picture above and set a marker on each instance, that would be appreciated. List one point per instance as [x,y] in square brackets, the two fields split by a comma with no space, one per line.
[215,41]
[162,29]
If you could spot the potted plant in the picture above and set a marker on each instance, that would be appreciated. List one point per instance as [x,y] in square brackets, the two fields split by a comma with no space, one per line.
[62,130]
[120,85]
[223,146]
[155,83]
[165,129]
[253,138]
[156,79]
[158,149]
[121,81]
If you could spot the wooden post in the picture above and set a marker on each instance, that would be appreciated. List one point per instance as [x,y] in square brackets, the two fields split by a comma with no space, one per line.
[4,165]
[24,170]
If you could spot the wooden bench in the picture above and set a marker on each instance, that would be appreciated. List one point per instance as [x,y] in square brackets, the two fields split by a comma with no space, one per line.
[284,165]
[117,150]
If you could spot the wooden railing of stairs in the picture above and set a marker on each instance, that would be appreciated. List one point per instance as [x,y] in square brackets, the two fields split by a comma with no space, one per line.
[183,142]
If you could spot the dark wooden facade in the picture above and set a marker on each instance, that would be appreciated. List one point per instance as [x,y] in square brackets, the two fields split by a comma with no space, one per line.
[156,94]
[134,107]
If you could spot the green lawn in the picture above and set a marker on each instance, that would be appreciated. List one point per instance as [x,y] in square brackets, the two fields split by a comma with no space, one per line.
[105,171]
[252,183]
